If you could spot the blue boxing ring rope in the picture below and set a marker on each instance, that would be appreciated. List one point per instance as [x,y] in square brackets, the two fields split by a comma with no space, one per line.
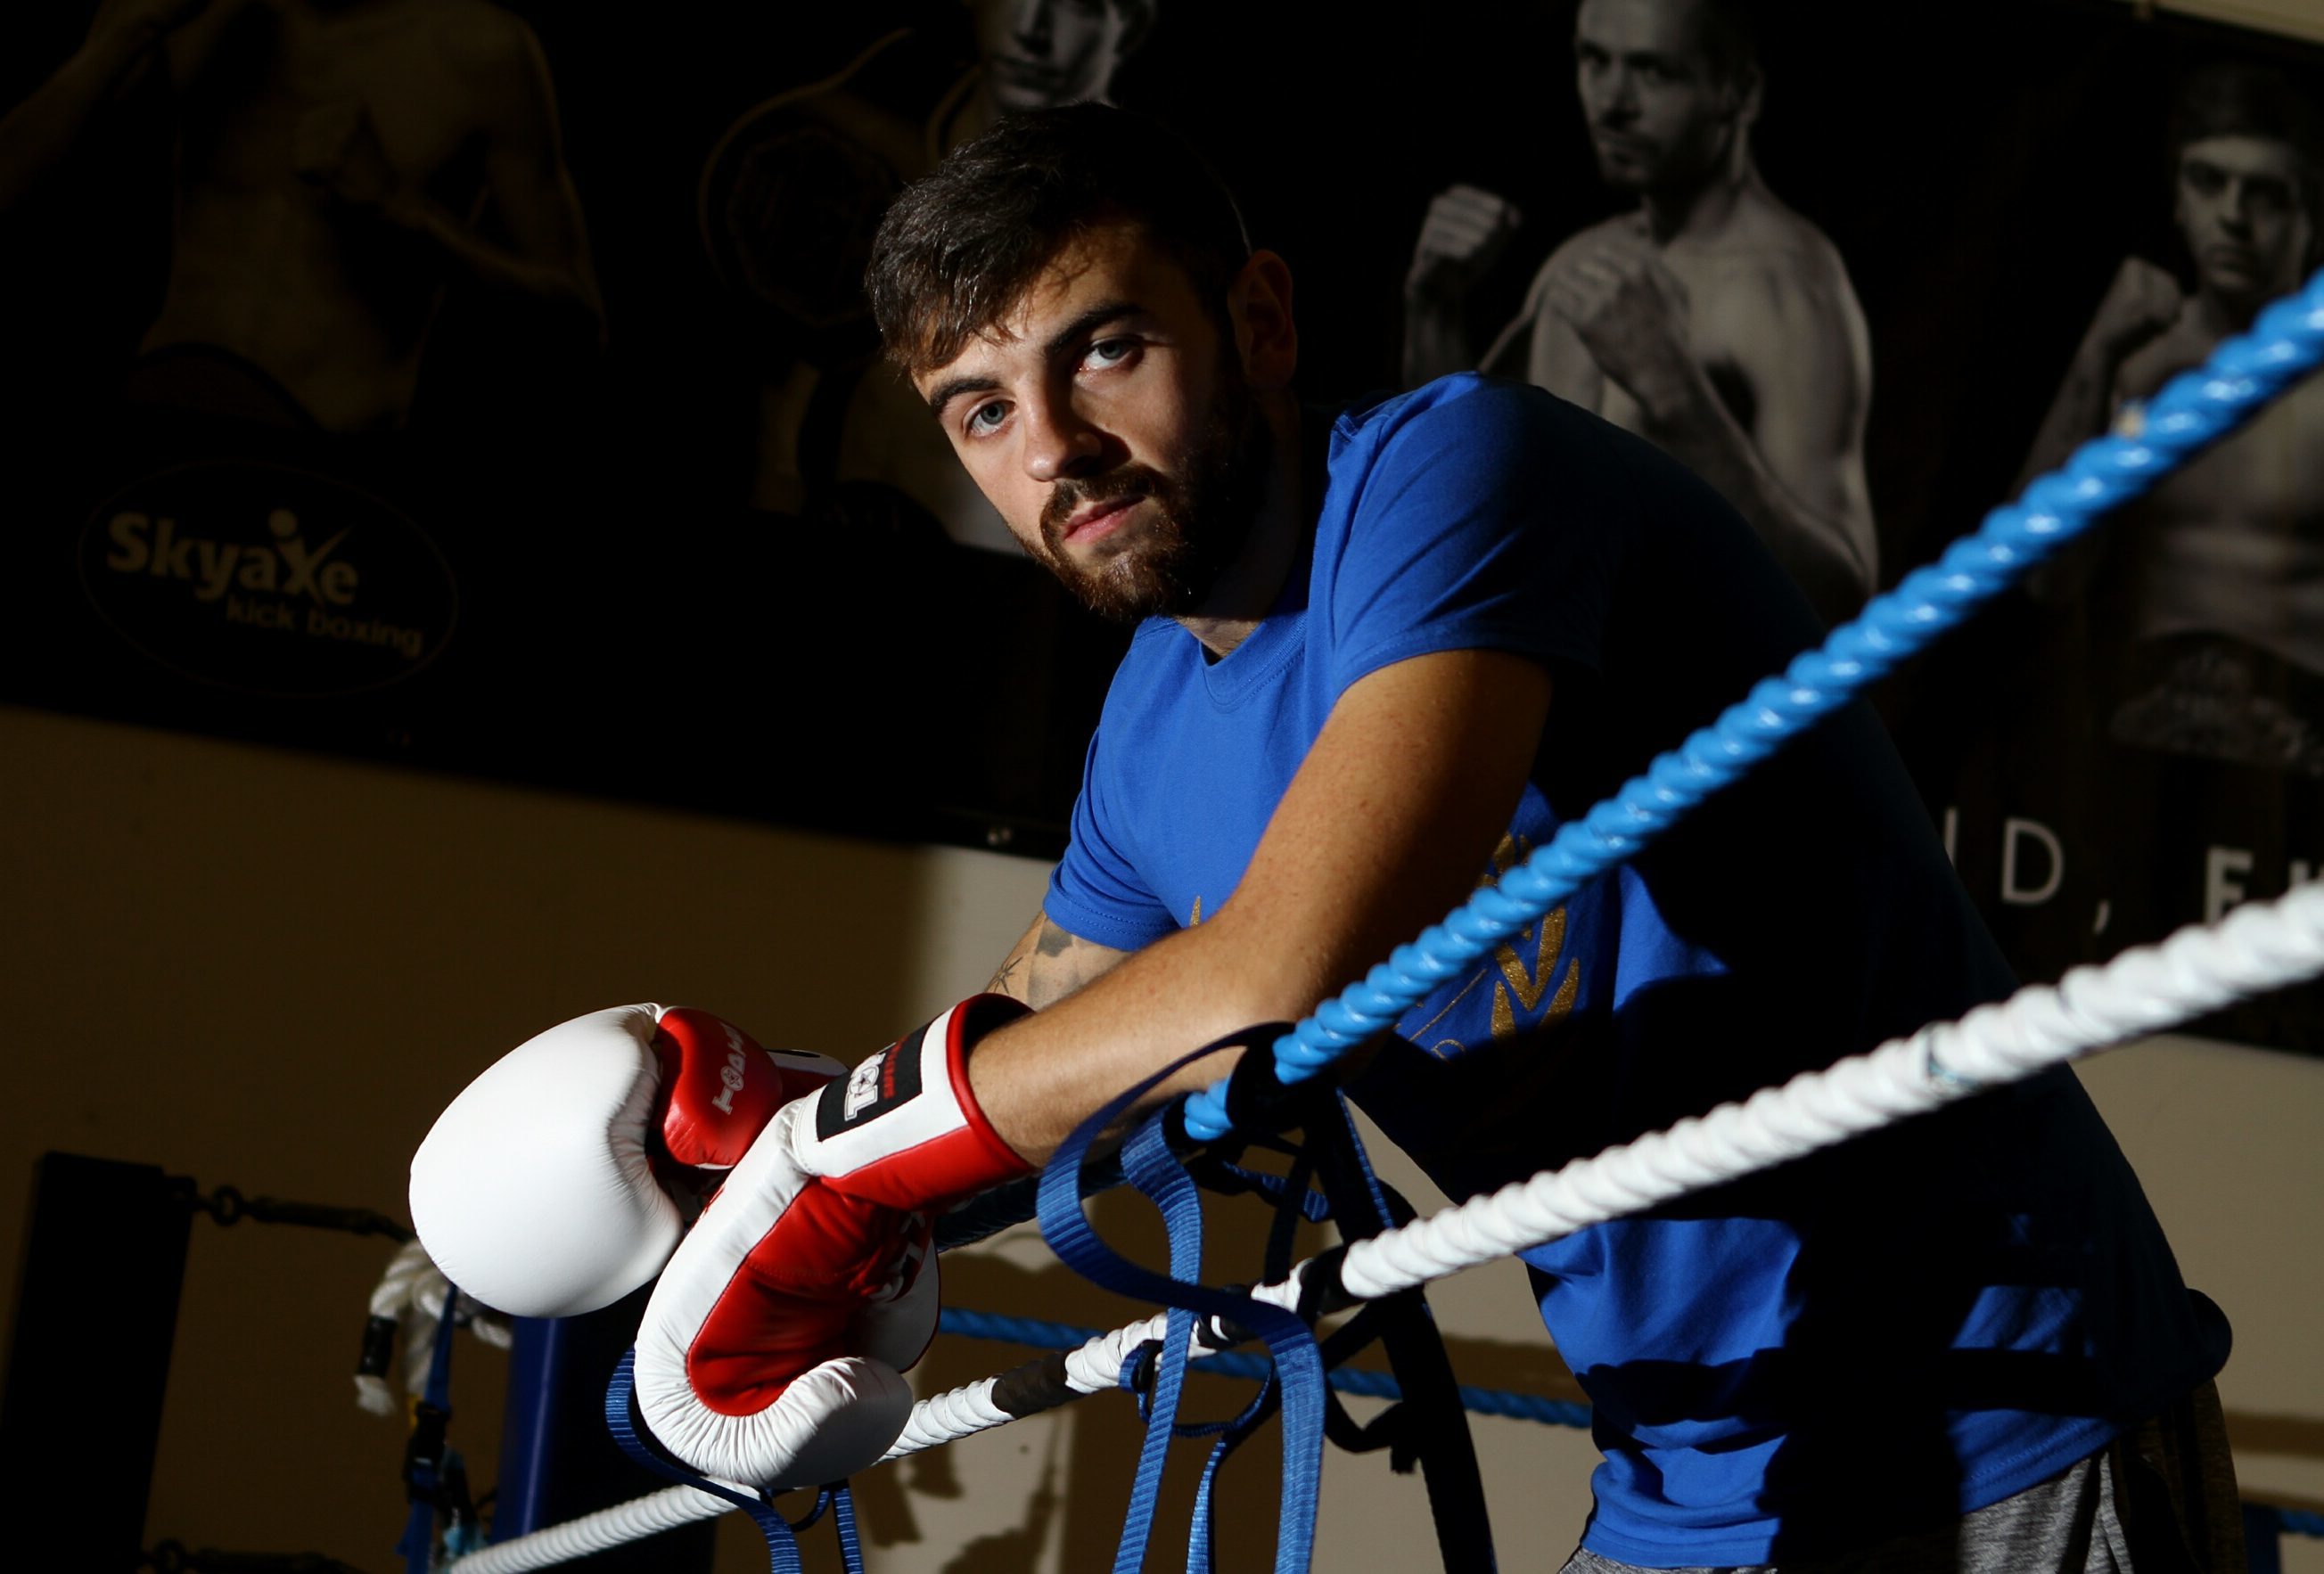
[2194,410]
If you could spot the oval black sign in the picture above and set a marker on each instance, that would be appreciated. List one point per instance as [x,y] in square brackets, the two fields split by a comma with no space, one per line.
[268,579]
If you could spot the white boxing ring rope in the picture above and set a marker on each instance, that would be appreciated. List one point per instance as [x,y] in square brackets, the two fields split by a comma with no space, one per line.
[2147,990]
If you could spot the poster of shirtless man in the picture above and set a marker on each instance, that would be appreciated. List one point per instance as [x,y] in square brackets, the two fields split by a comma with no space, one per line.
[1709,317]
[338,164]
[2209,594]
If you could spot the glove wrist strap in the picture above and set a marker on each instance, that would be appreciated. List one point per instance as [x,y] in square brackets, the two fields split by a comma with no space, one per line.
[903,1130]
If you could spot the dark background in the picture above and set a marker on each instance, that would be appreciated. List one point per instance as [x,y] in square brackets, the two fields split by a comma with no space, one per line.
[628,628]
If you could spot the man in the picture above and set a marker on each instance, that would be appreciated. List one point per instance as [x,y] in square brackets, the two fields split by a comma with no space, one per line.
[2215,580]
[337,163]
[1711,319]
[882,121]
[1036,54]
[1384,652]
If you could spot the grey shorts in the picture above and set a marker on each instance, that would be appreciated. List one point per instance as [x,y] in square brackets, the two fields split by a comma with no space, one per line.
[2160,1499]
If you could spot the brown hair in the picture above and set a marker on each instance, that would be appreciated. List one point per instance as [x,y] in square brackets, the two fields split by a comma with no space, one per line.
[963,244]
[2235,99]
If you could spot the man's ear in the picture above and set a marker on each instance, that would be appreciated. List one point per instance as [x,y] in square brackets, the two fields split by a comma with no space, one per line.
[1258,306]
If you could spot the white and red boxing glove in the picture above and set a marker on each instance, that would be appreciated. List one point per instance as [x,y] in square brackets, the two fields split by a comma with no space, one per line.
[903,1128]
[561,1179]
[772,1351]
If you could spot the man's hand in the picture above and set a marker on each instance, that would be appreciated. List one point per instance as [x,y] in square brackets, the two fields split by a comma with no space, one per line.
[151,20]
[1629,312]
[1465,232]
[771,1347]
[2141,303]
[187,31]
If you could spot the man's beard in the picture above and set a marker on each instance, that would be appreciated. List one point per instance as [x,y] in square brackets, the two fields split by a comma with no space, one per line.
[1674,166]
[1196,522]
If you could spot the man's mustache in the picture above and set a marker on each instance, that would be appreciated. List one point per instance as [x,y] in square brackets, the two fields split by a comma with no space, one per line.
[1130,481]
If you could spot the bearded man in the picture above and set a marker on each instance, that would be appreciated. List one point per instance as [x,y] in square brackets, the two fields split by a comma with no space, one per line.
[1385,650]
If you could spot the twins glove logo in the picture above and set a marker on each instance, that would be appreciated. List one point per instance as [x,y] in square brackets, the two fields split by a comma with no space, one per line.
[731,1073]
[877,1085]
[864,1086]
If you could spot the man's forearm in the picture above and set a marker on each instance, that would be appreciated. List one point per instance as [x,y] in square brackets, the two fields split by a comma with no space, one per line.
[41,132]
[564,289]
[1049,962]
[1040,1077]
[1435,337]
[2080,412]
[1386,824]
[1688,422]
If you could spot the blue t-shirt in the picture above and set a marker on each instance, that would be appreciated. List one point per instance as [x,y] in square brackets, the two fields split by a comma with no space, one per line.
[1916,1325]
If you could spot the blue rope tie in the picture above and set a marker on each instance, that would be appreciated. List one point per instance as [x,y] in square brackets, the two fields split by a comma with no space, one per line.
[629,1431]
[424,1473]
[1068,1229]
[2299,1522]
[2194,410]
[1156,1172]
[1036,1334]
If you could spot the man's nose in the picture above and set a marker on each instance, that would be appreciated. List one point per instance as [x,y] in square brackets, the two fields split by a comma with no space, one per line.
[1030,24]
[1058,444]
[2235,207]
[1617,96]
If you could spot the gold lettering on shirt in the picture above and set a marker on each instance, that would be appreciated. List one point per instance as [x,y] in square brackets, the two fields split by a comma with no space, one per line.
[1528,988]
[1507,853]
[1517,988]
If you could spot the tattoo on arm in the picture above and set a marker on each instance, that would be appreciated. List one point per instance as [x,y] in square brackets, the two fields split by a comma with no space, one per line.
[1009,979]
[1049,963]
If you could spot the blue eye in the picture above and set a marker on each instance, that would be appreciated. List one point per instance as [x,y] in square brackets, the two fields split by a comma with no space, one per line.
[1109,353]
[986,417]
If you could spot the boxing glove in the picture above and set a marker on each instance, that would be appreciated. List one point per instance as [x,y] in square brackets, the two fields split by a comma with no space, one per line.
[772,1349]
[561,1179]
[902,1128]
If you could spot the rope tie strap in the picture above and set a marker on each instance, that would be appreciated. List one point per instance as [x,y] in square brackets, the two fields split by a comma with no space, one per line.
[1066,1229]
[434,1481]
[621,1421]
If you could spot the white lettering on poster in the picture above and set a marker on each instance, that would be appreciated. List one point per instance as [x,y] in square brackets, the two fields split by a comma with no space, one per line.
[288,567]
[2221,889]
[2014,889]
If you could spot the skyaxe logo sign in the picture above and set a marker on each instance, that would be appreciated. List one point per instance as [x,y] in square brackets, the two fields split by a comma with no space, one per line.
[289,566]
[265,579]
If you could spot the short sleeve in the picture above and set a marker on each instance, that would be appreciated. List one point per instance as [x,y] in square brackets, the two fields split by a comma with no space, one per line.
[1486,517]
[1095,891]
